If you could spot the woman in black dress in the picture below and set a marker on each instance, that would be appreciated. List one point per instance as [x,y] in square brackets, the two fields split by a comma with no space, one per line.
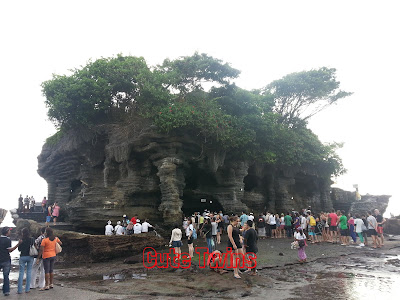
[234,242]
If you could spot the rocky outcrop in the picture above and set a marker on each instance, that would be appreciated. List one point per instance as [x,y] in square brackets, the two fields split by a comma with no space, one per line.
[392,226]
[347,201]
[78,247]
[103,173]
[3,213]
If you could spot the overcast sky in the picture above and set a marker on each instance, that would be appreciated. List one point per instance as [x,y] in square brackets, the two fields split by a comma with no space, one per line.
[264,39]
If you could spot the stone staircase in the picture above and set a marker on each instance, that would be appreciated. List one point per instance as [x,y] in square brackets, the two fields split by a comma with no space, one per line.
[35,216]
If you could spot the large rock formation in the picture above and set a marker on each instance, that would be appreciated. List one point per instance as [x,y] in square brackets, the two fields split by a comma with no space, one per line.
[84,248]
[3,213]
[101,174]
[345,200]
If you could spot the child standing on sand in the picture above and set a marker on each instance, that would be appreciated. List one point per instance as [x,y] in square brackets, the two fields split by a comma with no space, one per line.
[300,237]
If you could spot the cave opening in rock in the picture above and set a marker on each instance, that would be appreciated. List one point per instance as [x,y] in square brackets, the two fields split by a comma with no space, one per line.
[196,195]
[250,182]
[75,189]
[193,202]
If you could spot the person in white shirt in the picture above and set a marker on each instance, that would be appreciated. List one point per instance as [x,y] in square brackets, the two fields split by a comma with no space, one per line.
[251,217]
[137,228]
[145,226]
[359,224]
[189,234]
[272,224]
[176,239]
[303,222]
[300,237]
[372,226]
[185,223]
[119,230]
[109,228]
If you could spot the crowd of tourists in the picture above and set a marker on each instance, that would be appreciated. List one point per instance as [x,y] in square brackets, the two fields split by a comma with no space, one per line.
[302,228]
[26,204]
[51,211]
[128,226]
[37,257]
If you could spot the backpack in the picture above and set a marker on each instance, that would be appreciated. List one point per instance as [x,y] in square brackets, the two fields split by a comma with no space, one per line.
[194,234]
[312,221]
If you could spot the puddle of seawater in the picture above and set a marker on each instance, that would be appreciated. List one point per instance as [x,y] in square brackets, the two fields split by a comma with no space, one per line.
[115,277]
[373,276]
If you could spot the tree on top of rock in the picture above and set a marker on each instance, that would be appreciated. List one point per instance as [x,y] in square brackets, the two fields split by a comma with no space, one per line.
[300,95]
[189,73]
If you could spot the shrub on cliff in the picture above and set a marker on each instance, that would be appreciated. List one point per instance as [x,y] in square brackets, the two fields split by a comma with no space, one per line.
[196,95]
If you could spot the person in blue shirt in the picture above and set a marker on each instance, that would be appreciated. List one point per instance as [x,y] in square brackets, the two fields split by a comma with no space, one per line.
[243,218]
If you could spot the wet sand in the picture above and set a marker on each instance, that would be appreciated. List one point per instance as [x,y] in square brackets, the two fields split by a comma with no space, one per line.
[333,272]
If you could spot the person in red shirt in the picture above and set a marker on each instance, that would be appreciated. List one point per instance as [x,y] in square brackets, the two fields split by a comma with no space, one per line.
[133,220]
[333,226]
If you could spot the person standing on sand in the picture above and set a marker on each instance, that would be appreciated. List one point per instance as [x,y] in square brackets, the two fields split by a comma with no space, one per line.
[288,225]
[176,240]
[48,253]
[220,227]
[261,227]
[56,212]
[243,218]
[38,267]
[344,231]
[311,223]
[207,231]
[380,220]
[250,243]
[372,226]
[333,226]
[365,229]
[25,260]
[234,241]
[358,223]
[189,235]
[214,231]
[301,238]
[352,228]
[5,259]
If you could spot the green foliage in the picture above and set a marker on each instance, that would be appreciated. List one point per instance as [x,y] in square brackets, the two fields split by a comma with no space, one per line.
[194,95]
[303,94]
[189,73]
[89,95]
[55,138]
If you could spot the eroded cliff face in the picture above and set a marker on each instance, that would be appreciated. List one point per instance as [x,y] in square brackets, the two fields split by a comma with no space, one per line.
[101,174]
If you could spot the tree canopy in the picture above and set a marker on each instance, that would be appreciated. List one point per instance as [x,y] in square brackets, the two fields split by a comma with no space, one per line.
[303,94]
[196,94]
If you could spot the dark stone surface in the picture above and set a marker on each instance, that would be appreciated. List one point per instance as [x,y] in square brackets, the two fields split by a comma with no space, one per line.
[85,248]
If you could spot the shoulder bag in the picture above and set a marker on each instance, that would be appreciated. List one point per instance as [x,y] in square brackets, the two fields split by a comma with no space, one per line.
[58,248]
[32,250]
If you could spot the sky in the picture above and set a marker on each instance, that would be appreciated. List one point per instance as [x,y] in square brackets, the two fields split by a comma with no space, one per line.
[264,39]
